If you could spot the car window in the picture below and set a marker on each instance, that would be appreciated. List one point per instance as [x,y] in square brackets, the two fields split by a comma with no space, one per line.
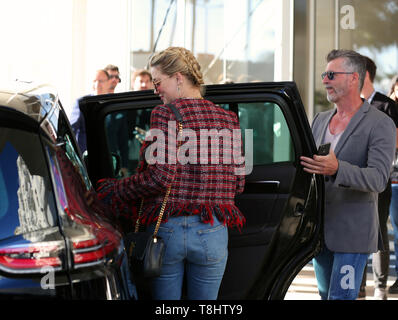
[73,157]
[26,195]
[272,141]
[71,150]
[71,185]
[58,182]
[125,131]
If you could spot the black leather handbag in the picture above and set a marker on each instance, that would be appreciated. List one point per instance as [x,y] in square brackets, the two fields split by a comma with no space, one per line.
[145,250]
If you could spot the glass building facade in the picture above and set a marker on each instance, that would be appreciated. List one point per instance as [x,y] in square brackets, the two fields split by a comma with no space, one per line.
[268,40]
[234,40]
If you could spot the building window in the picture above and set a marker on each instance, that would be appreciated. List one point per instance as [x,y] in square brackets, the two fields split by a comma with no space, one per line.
[366,26]
[233,40]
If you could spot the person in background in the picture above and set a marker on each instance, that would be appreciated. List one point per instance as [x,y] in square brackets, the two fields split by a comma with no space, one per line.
[393,94]
[356,169]
[100,86]
[141,80]
[201,203]
[380,259]
[114,77]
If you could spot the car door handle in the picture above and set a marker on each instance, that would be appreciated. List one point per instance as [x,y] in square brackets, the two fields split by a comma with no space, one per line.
[262,186]
[268,182]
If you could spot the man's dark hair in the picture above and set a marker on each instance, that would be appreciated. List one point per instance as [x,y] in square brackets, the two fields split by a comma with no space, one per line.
[142,72]
[353,62]
[371,68]
[111,67]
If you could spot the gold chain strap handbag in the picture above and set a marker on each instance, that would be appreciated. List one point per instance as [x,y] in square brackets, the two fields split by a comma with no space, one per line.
[145,250]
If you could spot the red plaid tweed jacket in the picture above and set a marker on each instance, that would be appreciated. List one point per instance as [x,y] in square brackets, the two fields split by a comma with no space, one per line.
[197,188]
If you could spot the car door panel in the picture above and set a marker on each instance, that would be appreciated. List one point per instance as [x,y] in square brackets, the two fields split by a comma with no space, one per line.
[281,203]
[267,193]
[261,202]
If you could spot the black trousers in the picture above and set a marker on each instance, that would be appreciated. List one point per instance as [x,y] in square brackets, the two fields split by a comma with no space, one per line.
[381,259]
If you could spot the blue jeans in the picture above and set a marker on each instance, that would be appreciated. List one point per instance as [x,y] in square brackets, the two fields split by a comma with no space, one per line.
[394,220]
[339,275]
[197,249]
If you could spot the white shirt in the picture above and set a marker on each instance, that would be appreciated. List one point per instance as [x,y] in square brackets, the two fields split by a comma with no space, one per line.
[332,138]
[371,97]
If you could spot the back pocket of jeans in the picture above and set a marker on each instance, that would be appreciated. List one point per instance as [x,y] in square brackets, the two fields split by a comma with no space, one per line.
[215,242]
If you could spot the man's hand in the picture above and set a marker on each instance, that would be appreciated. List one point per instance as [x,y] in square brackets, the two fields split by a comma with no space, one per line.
[326,165]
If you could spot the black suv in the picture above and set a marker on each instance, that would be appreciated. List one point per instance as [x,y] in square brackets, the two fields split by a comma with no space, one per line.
[55,238]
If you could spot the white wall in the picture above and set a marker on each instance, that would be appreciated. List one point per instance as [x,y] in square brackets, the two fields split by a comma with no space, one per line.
[35,42]
[107,38]
[63,42]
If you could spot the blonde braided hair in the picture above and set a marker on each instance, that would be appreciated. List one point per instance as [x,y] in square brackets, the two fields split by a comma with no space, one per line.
[178,59]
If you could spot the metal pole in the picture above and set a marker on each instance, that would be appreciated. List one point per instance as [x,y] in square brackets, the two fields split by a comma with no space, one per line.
[193,25]
[152,24]
[336,24]
[311,61]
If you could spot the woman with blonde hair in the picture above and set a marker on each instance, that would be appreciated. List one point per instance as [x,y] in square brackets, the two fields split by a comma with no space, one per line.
[201,203]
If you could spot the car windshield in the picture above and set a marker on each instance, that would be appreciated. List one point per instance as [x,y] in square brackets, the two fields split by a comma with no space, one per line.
[26,196]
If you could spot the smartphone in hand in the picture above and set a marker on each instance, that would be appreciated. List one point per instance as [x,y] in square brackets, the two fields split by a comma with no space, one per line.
[323,149]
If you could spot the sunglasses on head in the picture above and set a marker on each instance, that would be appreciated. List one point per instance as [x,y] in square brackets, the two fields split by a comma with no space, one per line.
[330,74]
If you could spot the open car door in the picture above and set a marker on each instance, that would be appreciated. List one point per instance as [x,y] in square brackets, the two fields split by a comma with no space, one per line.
[283,205]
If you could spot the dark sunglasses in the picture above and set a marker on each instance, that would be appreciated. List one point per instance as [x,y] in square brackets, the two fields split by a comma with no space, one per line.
[330,74]
[115,76]
[156,83]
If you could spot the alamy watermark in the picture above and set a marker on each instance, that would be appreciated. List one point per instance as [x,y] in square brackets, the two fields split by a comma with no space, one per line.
[225,147]
[347,21]
[48,280]
[348,280]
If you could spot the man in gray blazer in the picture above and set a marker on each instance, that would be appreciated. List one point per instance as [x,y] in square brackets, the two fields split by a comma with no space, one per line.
[356,169]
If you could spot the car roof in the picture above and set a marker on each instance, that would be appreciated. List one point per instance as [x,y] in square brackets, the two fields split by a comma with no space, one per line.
[32,99]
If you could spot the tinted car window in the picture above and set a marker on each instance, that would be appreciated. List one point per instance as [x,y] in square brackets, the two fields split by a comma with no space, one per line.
[124,131]
[272,141]
[26,197]
[72,182]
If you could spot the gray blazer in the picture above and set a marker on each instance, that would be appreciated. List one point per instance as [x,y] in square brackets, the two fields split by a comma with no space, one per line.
[365,153]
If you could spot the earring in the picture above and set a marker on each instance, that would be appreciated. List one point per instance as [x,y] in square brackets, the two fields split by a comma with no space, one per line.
[178,90]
